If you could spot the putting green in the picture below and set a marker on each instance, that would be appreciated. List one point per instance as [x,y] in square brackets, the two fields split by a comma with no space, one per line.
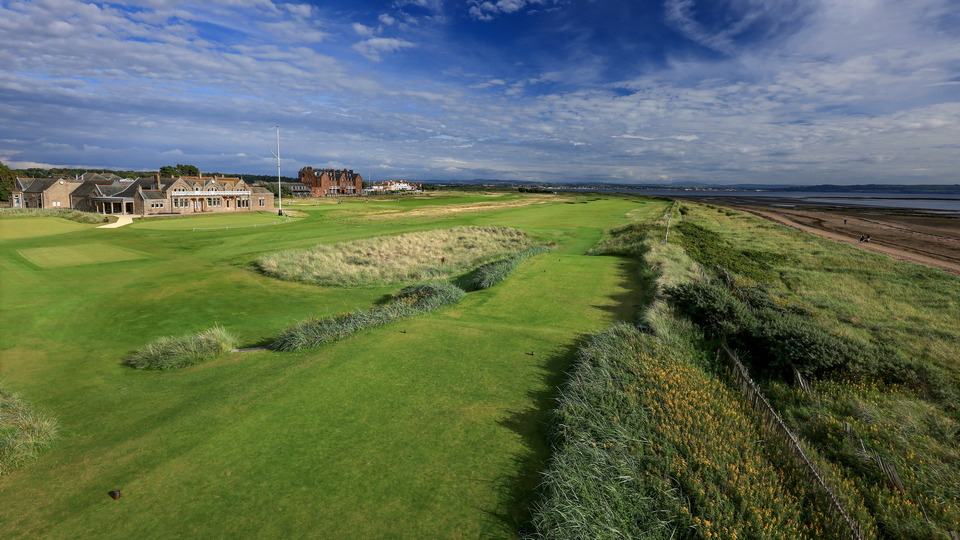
[56,257]
[218,221]
[15,229]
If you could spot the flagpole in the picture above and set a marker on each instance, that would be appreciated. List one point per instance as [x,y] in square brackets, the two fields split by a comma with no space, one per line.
[279,186]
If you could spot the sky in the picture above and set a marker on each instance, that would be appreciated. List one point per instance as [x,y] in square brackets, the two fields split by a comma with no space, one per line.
[649,92]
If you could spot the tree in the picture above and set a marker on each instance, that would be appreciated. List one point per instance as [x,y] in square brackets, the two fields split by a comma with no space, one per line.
[168,171]
[7,178]
[188,170]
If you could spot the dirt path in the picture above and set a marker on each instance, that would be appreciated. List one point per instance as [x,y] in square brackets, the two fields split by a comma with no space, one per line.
[930,240]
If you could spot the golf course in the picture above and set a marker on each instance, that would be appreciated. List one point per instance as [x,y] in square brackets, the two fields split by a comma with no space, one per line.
[533,406]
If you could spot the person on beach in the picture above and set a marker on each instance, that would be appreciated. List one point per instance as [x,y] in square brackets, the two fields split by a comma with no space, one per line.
[868,238]
[861,238]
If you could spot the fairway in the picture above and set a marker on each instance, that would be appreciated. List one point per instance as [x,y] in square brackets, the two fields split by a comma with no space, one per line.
[76,255]
[33,227]
[211,221]
[432,426]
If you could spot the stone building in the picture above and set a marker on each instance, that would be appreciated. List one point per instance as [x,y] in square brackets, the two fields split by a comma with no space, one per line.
[143,196]
[331,182]
[42,192]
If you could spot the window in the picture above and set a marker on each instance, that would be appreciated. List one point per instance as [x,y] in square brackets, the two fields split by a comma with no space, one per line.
[263,201]
[157,204]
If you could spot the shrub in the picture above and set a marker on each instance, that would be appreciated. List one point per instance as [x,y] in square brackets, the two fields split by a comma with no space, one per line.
[711,250]
[171,352]
[490,274]
[24,433]
[409,302]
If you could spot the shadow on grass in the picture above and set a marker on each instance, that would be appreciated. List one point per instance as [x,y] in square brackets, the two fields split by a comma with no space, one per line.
[636,280]
[518,491]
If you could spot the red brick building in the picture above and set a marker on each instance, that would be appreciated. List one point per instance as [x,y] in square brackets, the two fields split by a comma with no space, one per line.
[331,182]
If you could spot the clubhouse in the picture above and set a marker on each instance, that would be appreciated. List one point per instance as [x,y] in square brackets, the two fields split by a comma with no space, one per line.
[144,196]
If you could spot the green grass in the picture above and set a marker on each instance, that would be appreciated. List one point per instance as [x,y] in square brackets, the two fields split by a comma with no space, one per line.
[31,227]
[75,255]
[435,432]
[215,221]
[411,301]
[490,274]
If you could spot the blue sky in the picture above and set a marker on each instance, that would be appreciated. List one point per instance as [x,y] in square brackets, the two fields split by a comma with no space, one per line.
[667,91]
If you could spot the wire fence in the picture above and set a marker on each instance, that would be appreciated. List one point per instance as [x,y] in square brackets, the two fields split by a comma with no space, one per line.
[669,217]
[775,424]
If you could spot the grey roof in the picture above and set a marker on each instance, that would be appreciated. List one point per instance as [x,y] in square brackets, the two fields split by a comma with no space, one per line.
[85,189]
[152,194]
[40,184]
[129,190]
[24,183]
[112,190]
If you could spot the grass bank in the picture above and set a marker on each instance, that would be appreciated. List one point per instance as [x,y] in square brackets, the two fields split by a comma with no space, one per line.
[72,215]
[417,256]
[648,445]
[871,335]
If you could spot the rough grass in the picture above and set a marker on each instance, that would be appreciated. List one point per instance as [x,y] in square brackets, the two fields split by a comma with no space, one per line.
[24,432]
[388,259]
[410,301]
[171,352]
[65,213]
[490,274]
[881,410]
[648,445]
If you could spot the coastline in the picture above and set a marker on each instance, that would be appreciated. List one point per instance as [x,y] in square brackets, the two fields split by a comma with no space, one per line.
[928,238]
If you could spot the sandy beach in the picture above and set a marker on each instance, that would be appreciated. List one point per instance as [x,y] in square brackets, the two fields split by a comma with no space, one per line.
[925,238]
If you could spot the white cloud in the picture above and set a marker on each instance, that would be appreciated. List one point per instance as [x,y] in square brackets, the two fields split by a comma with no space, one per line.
[386,19]
[363,30]
[372,48]
[486,10]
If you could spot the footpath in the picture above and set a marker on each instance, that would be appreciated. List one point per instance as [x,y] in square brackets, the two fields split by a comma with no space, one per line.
[121,221]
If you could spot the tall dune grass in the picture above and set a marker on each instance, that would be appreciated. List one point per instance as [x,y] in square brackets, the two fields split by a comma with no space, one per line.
[410,301]
[407,257]
[490,274]
[649,445]
[171,352]
[24,432]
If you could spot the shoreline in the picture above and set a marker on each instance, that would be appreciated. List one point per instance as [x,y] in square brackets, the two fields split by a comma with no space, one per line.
[928,238]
